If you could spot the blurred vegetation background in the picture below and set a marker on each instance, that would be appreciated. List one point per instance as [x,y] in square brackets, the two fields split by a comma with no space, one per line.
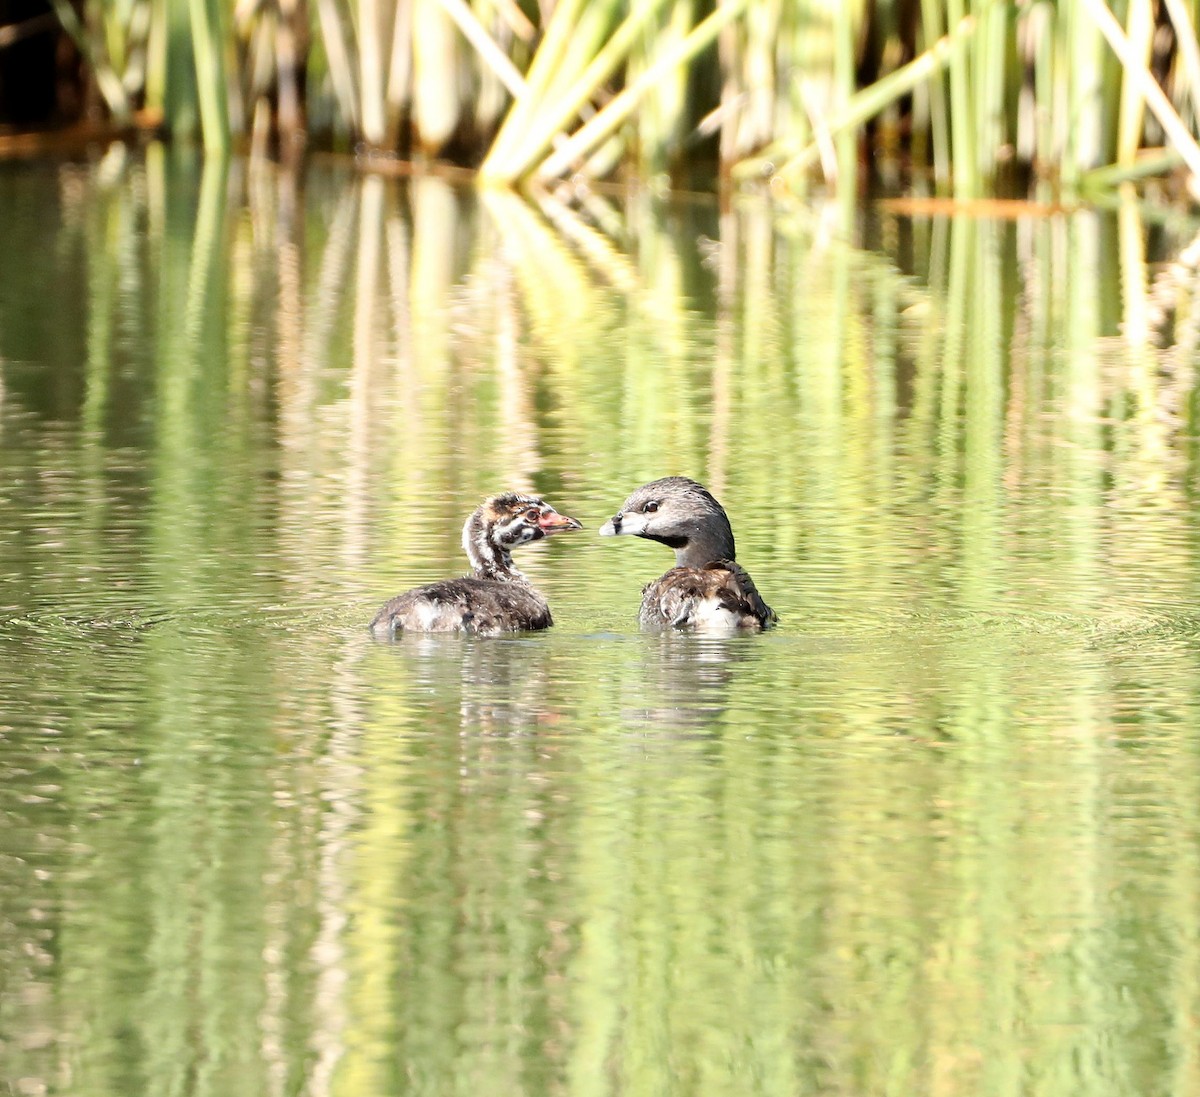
[934,835]
[966,97]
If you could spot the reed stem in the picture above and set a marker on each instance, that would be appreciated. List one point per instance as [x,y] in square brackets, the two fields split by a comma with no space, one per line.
[1135,70]
[865,104]
[548,122]
[1060,88]
[210,74]
[591,133]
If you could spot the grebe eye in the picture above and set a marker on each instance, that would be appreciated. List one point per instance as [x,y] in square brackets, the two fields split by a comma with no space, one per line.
[650,507]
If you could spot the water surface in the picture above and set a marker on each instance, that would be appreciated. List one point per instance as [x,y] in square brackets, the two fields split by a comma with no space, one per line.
[937,833]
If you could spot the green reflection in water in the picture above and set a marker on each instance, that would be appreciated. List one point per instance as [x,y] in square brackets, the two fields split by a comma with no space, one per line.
[934,834]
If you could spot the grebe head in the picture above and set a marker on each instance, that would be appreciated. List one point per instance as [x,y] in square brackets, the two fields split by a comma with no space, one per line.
[503,522]
[679,513]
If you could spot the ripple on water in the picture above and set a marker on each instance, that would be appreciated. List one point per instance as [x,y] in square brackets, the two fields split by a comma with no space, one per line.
[1116,625]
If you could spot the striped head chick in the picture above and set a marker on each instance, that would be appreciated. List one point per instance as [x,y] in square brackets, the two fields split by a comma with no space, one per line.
[503,522]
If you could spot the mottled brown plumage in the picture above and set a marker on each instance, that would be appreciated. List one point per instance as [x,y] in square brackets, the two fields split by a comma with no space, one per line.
[707,589]
[495,597]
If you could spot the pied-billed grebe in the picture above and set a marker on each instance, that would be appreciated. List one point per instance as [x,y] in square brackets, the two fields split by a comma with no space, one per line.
[707,588]
[496,597]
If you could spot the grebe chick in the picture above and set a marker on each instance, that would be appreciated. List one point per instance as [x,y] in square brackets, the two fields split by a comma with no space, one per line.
[707,589]
[495,597]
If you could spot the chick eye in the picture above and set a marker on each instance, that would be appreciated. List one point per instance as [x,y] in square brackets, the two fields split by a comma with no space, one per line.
[533,514]
[650,507]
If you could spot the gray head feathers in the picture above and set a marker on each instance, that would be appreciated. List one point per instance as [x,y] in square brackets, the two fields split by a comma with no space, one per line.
[679,513]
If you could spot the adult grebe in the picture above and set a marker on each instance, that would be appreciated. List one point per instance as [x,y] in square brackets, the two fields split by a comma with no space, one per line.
[707,588]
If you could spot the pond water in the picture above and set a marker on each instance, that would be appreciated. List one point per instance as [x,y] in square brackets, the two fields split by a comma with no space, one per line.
[937,833]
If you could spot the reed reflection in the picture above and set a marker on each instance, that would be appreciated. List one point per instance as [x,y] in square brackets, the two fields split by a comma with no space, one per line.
[887,847]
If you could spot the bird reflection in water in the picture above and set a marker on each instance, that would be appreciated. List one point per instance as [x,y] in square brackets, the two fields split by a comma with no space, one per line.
[684,682]
[654,682]
[508,688]
[502,686]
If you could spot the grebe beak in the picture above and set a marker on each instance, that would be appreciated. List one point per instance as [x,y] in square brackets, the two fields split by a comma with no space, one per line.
[553,522]
[624,525]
